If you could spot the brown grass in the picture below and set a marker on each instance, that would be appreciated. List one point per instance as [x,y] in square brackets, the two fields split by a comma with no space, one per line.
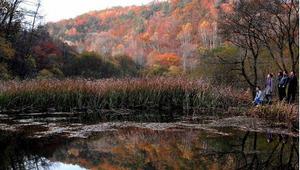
[160,93]
[279,112]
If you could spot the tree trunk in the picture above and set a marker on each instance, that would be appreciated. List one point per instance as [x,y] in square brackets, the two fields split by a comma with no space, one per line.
[11,16]
[184,62]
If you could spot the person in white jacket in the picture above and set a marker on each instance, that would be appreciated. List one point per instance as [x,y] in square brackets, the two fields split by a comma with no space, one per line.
[259,97]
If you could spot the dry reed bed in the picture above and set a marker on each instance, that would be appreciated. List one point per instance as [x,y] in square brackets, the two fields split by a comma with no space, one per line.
[155,93]
[279,112]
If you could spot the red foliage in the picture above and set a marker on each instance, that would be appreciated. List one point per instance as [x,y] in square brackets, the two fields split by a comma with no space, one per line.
[45,49]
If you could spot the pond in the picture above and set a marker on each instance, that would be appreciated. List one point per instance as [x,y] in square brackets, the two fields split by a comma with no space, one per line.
[65,141]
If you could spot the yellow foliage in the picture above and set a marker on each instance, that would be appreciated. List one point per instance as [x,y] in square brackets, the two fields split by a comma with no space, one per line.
[186,31]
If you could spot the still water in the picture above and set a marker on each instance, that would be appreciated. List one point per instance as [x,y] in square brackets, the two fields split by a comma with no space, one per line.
[178,144]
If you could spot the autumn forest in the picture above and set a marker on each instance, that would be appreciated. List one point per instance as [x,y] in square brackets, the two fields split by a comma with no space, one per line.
[171,84]
[197,38]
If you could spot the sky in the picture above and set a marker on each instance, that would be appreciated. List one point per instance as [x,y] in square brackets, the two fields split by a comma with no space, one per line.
[55,10]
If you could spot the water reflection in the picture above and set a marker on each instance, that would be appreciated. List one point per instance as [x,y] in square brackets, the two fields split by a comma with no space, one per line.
[16,155]
[62,166]
[135,148]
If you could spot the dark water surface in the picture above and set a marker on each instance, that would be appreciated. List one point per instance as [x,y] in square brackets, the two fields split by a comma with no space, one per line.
[64,141]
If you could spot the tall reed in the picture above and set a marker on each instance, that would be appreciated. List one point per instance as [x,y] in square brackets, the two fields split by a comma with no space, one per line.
[154,93]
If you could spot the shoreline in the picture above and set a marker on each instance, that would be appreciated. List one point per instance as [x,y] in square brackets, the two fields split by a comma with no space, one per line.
[152,94]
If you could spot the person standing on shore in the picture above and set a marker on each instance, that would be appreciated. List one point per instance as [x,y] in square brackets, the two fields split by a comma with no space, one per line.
[279,77]
[283,81]
[269,88]
[292,88]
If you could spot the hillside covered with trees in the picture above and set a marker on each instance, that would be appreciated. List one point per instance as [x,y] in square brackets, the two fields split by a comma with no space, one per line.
[28,51]
[162,33]
[225,40]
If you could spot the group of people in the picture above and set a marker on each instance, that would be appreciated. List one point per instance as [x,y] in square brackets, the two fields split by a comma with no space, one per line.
[287,88]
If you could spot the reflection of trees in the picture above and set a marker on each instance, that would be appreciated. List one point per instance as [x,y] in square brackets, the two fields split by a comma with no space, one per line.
[253,152]
[187,149]
[16,153]
[278,158]
[136,148]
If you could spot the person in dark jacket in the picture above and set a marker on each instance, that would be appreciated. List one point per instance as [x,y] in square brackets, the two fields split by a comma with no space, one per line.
[282,86]
[292,88]
[269,88]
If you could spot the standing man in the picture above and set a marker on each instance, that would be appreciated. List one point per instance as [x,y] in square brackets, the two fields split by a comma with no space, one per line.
[282,85]
[292,89]
[269,88]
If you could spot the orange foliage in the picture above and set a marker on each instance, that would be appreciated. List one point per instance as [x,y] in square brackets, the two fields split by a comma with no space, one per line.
[204,25]
[167,59]
[226,7]
[145,37]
